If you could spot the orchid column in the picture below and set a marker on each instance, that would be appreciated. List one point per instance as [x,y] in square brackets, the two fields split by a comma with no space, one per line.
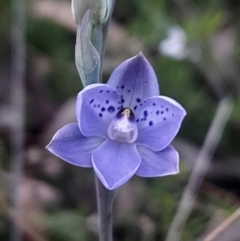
[124,127]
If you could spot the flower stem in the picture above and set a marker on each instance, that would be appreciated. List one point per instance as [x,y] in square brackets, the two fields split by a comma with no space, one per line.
[105,199]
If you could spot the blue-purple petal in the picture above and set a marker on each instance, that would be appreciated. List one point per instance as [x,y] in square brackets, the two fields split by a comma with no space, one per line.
[70,145]
[159,119]
[115,163]
[156,164]
[135,80]
[97,105]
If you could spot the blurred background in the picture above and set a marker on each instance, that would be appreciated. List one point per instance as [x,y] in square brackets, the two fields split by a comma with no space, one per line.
[194,47]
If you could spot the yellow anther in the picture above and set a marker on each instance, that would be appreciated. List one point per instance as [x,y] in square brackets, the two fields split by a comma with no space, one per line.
[126,112]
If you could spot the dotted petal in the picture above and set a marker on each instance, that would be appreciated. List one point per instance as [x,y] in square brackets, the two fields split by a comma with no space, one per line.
[70,145]
[159,119]
[97,105]
[135,81]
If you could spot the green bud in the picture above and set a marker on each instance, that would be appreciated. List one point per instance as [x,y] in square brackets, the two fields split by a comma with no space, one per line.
[92,18]
[86,56]
[98,10]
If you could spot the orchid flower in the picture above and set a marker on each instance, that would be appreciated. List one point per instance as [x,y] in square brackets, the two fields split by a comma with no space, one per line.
[123,127]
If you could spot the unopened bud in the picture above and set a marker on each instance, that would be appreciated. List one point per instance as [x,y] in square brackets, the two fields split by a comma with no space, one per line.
[98,10]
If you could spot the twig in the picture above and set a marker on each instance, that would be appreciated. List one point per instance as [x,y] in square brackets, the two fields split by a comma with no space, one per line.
[18,108]
[223,226]
[202,163]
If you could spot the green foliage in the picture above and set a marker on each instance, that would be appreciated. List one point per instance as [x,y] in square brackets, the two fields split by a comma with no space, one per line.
[165,193]
[202,26]
[57,46]
[150,20]
[66,225]
[63,81]
[50,39]
[183,83]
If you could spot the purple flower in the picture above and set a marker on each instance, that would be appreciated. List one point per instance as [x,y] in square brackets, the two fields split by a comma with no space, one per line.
[124,127]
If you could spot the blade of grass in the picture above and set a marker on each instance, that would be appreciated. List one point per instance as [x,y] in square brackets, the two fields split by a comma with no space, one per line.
[201,166]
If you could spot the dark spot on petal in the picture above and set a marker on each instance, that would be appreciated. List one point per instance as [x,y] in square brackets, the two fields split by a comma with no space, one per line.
[100,114]
[91,101]
[162,106]
[166,109]
[122,87]
[111,109]
[117,87]
[100,91]
[122,100]
[157,112]
[172,114]
[107,101]
[135,107]
[98,106]
[162,112]
[119,108]
[108,91]
[145,113]
[138,100]
[141,104]
[129,91]
[103,109]
[150,123]
[137,120]
[114,92]
[164,118]
[154,104]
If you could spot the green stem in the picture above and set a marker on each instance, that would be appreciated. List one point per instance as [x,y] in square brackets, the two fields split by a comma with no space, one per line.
[105,199]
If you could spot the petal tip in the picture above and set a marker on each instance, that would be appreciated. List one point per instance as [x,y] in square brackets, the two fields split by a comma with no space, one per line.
[141,57]
[140,54]
[48,146]
[50,149]
[184,111]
